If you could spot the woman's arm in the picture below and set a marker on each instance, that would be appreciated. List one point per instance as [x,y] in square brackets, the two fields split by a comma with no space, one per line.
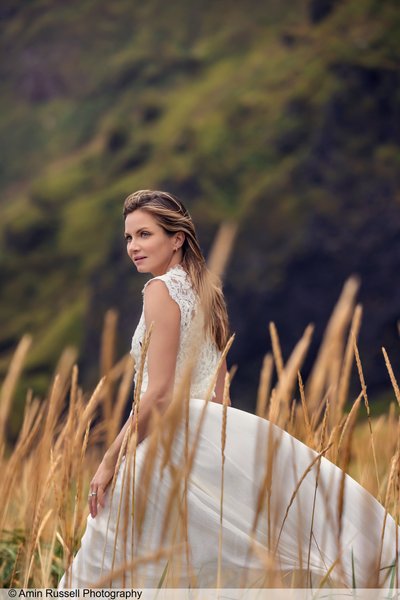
[219,386]
[164,313]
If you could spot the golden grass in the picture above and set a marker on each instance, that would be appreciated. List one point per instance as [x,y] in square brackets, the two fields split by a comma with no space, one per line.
[46,473]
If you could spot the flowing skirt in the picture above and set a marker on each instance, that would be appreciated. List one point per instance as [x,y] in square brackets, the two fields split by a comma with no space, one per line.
[274,507]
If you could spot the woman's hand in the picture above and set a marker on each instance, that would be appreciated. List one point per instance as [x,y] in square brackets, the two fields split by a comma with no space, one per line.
[99,484]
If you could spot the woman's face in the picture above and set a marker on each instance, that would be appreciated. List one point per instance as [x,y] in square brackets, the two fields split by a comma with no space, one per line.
[147,244]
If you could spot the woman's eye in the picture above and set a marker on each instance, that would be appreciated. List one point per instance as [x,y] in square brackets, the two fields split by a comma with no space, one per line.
[128,238]
[145,234]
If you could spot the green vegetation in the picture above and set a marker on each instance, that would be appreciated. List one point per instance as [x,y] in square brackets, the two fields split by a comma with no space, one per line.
[272,115]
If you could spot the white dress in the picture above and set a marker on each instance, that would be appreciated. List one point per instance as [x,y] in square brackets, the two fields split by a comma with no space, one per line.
[274,516]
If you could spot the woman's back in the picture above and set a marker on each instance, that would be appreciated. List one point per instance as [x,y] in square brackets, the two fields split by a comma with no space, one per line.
[195,350]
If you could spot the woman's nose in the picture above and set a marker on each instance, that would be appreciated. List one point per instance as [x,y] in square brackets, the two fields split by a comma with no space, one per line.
[133,245]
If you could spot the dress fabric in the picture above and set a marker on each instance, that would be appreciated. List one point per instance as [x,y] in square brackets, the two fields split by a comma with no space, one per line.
[278,513]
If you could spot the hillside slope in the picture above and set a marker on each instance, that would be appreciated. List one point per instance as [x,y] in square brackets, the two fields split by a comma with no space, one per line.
[282,116]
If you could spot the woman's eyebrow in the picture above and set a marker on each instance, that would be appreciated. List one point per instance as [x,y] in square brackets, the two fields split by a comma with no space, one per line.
[137,231]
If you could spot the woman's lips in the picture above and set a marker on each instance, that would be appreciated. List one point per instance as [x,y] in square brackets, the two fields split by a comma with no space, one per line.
[139,258]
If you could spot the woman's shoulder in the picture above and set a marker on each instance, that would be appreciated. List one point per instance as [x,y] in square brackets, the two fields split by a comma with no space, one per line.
[175,278]
[179,286]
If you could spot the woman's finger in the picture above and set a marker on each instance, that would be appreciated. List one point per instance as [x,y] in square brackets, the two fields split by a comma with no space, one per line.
[92,499]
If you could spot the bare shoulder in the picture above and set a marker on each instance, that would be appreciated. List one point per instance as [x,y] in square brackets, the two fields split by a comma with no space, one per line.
[157,300]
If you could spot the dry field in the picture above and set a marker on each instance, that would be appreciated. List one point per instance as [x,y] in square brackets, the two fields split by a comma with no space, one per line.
[45,476]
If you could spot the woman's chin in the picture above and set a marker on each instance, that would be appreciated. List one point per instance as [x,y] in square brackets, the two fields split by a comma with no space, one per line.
[141,268]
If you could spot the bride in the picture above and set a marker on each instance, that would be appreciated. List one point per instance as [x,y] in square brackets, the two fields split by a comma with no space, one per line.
[193,491]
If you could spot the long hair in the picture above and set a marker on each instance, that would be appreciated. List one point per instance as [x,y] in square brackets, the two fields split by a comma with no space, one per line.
[172,216]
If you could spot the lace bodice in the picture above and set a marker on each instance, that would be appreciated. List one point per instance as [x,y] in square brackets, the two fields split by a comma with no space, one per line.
[192,339]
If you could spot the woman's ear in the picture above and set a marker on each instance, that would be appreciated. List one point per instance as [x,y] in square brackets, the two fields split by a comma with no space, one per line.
[179,239]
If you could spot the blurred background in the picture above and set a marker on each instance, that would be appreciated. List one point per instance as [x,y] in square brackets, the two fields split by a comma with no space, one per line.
[281,116]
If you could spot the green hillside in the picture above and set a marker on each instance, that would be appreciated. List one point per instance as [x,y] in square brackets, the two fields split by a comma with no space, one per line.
[283,115]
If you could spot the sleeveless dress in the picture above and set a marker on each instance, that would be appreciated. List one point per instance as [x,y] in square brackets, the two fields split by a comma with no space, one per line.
[272,508]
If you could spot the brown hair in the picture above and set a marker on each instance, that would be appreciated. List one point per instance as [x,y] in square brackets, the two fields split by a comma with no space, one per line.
[172,216]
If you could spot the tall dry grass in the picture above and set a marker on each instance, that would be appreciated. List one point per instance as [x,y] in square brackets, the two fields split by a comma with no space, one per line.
[46,474]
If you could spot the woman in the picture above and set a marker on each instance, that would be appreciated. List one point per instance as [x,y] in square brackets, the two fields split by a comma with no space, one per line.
[172,515]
